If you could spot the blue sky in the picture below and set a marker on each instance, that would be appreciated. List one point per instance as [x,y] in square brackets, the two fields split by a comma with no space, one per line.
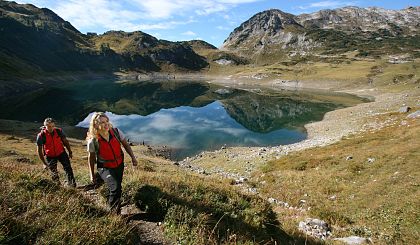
[179,20]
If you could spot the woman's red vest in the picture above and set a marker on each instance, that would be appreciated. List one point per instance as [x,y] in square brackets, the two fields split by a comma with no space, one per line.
[110,154]
[53,146]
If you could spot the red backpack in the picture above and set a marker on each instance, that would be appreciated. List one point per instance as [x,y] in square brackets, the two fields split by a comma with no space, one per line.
[52,143]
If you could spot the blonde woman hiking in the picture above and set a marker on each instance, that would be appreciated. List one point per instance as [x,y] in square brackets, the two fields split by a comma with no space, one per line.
[104,148]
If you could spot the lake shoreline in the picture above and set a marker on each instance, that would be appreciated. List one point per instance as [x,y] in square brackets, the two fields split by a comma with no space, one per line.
[335,125]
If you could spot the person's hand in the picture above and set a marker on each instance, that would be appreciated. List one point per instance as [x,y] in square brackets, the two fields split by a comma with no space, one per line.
[70,154]
[134,160]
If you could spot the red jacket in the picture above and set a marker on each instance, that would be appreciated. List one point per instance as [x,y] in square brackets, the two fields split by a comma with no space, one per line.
[110,154]
[53,145]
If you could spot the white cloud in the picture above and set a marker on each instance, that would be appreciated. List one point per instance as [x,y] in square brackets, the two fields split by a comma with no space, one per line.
[189,33]
[133,15]
[327,4]
[163,122]
[159,9]
[235,132]
[89,14]
[109,15]
[238,1]
[224,28]
[162,25]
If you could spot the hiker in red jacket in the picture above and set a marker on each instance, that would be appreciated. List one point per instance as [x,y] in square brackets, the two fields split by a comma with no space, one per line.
[104,147]
[50,146]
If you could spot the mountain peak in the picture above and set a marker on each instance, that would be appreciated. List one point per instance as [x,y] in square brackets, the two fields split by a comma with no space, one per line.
[272,20]
[265,24]
[342,29]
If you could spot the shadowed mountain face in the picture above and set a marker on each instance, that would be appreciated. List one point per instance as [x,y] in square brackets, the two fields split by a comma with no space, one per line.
[263,113]
[34,41]
[78,99]
[372,31]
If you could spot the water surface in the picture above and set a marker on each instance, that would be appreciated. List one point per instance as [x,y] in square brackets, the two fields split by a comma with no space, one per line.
[190,130]
[189,116]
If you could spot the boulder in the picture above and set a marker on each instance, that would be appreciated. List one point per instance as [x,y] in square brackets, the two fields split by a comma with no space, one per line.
[404,109]
[354,240]
[316,228]
[415,114]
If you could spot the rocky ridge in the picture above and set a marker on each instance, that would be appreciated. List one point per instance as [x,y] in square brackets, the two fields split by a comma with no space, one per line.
[37,41]
[274,32]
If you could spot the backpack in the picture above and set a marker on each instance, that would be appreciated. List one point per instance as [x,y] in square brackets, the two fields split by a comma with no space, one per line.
[44,137]
[96,143]
[59,132]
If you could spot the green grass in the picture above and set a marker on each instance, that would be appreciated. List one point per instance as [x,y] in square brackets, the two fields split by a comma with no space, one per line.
[377,200]
[199,210]
[34,210]
[193,209]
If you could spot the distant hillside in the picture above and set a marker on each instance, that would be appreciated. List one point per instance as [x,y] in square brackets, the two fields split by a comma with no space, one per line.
[372,32]
[35,41]
[199,45]
[149,53]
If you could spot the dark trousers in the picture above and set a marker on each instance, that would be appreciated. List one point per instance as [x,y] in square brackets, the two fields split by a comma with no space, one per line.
[113,178]
[65,161]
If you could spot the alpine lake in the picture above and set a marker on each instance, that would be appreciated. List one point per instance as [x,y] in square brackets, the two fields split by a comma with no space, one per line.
[187,117]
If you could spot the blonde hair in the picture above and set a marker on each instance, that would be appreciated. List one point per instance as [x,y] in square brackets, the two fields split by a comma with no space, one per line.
[94,124]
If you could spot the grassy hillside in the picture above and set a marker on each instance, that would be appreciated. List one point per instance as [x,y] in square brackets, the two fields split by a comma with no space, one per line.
[375,198]
[337,72]
[194,209]
[35,42]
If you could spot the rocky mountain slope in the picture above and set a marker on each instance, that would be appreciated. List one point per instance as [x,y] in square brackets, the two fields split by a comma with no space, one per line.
[370,31]
[36,41]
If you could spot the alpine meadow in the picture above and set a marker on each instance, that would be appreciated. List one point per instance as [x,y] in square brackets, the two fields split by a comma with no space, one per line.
[298,129]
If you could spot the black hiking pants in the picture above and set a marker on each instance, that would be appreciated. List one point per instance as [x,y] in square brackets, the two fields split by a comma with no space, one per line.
[113,178]
[65,161]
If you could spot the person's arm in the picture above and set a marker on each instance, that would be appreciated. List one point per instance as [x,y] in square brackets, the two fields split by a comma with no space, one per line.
[41,155]
[128,149]
[92,162]
[67,145]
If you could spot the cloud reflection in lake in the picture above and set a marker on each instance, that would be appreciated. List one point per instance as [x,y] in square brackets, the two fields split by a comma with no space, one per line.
[190,130]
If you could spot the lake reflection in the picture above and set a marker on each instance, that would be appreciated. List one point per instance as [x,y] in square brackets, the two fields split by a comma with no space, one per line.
[190,130]
[188,116]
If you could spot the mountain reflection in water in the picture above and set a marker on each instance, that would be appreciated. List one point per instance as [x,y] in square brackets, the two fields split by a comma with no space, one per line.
[190,117]
[188,130]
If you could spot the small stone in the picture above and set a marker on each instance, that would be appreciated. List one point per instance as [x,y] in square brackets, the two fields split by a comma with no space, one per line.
[415,114]
[371,160]
[404,109]
[349,158]
[301,202]
[354,240]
